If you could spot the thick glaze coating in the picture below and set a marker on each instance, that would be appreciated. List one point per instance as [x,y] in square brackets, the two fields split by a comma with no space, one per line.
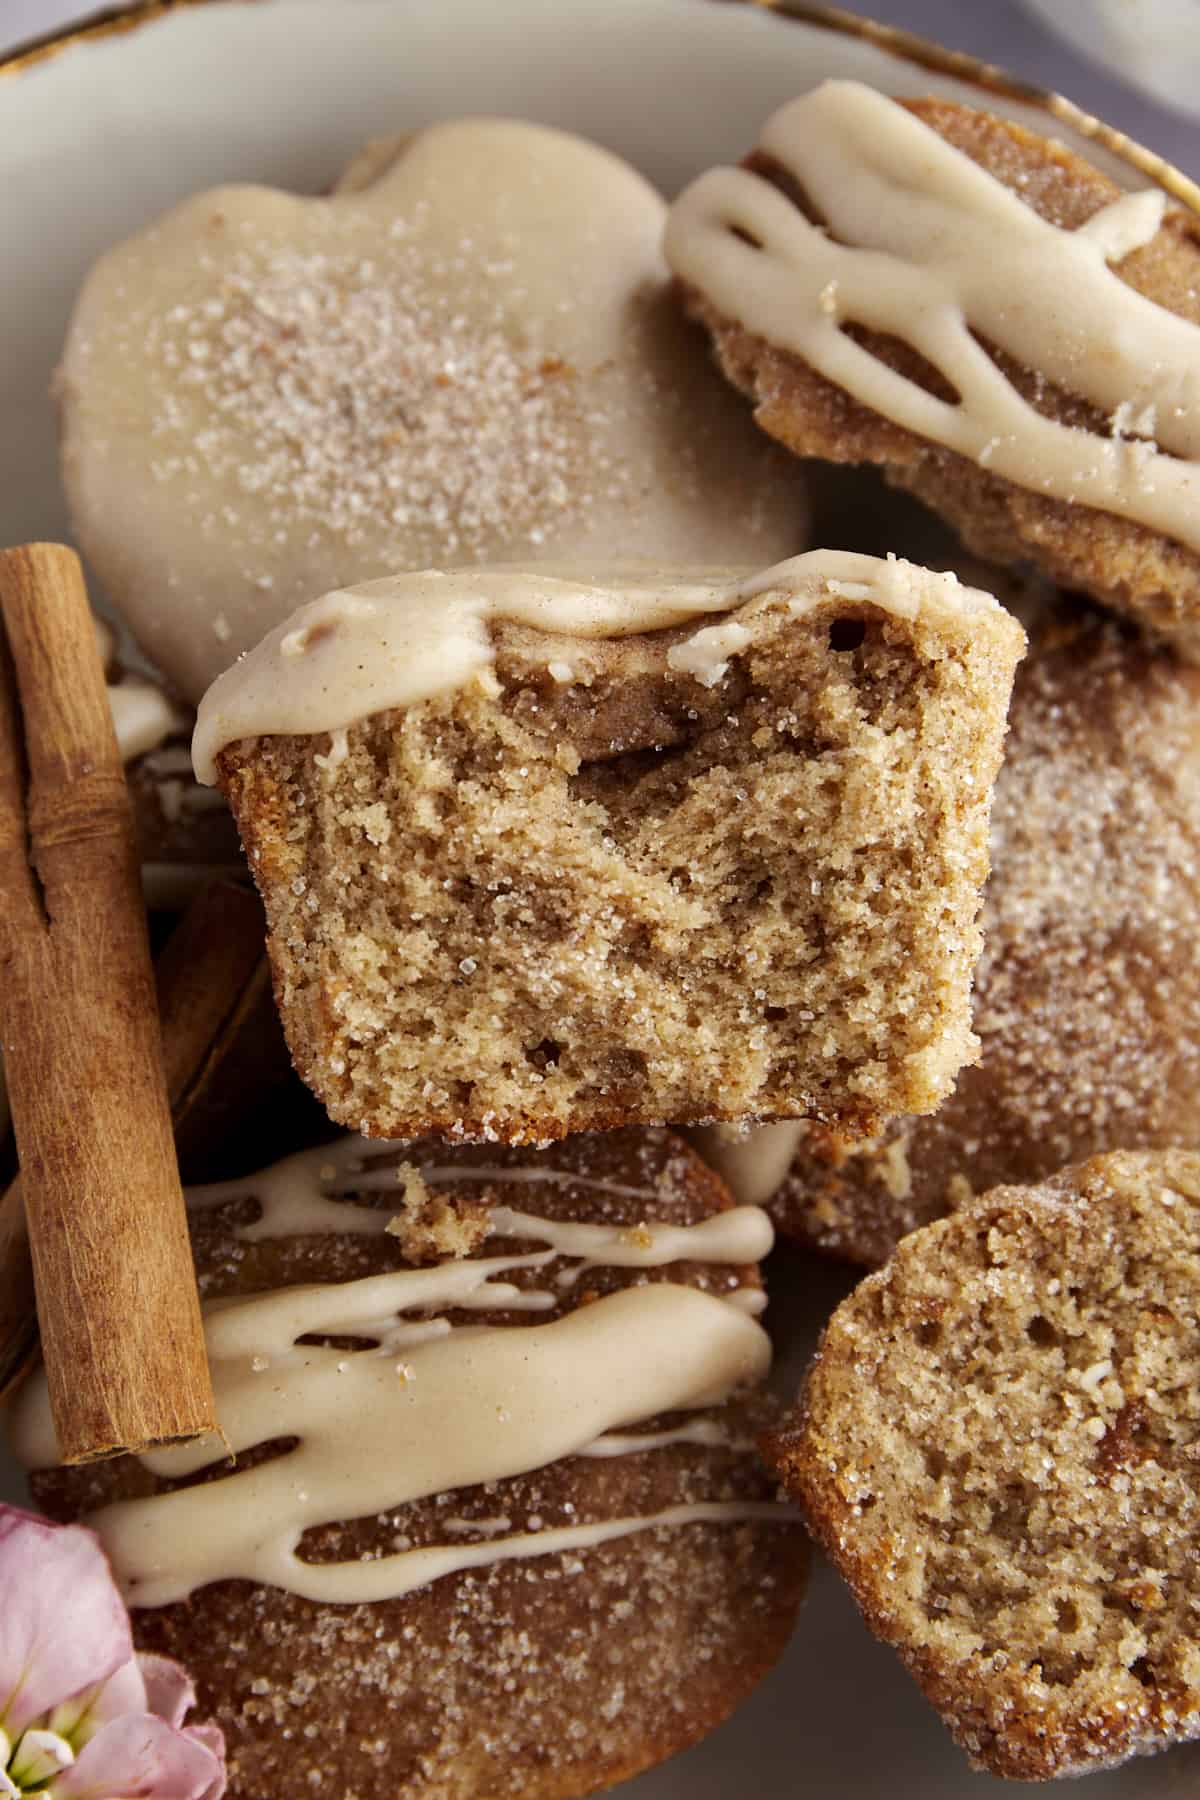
[475,356]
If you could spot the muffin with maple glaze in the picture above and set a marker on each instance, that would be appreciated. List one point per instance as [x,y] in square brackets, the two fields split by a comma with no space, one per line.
[543,854]
[497,1520]
[886,280]
[468,352]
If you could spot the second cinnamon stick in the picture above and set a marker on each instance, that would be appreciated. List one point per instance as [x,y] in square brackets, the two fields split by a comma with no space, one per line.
[117,1302]
[212,977]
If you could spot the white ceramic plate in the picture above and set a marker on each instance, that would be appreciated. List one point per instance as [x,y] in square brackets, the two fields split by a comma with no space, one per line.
[107,132]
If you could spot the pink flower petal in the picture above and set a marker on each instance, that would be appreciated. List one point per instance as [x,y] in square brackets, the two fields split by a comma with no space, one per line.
[213,1739]
[81,1717]
[169,1690]
[142,1758]
[62,1625]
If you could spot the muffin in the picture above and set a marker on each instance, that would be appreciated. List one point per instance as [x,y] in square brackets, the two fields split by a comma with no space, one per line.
[497,1523]
[979,312]
[541,855]
[469,351]
[997,1446]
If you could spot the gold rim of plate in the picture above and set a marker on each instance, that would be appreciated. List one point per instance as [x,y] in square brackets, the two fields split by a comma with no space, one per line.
[893,40]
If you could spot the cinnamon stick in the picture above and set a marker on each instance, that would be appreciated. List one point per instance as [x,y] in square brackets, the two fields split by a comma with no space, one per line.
[18,1315]
[116,1293]
[212,979]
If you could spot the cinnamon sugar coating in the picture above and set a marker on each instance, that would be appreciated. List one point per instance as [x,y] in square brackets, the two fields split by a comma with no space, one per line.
[997,1445]
[1123,564]
[1087,994]
[552,1676]
[629,896]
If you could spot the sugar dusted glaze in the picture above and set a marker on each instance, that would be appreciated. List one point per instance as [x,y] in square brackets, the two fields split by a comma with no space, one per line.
[474,355]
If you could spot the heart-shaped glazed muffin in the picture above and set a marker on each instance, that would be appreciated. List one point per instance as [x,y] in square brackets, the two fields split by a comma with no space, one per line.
[473,356]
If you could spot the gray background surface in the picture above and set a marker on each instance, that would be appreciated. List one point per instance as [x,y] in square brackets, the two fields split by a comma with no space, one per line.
[999,30]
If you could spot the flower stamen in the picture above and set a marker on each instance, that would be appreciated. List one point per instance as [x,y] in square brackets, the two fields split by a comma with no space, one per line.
[39,1757]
